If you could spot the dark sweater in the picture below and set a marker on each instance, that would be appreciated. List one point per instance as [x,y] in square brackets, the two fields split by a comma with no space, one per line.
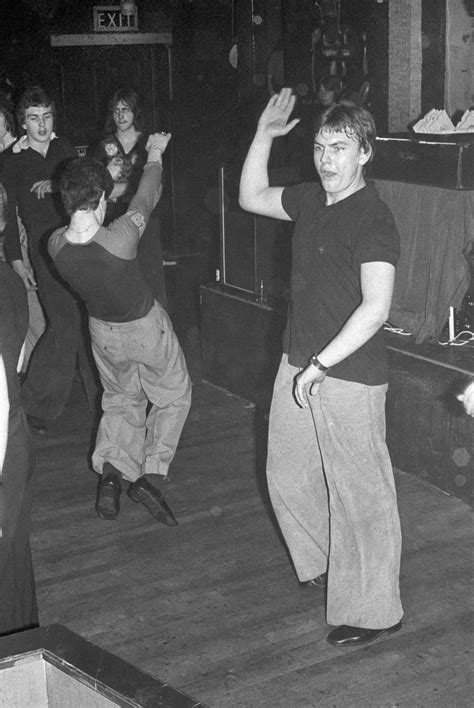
[19,171]
[104,271]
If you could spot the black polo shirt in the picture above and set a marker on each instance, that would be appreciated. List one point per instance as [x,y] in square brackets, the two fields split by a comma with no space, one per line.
[19,171]
[330,242]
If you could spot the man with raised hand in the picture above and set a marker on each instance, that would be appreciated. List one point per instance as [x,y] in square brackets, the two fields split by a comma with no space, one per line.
[329,473]
[137,353]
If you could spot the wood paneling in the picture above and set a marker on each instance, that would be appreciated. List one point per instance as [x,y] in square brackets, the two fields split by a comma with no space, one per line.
[212,607]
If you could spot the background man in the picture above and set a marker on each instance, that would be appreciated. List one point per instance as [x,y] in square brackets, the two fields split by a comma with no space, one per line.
[329,474]
[135,348]
[29,176]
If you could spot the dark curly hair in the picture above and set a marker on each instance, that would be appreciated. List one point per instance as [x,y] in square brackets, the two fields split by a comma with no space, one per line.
[356,122]
[33,96]
[82,184]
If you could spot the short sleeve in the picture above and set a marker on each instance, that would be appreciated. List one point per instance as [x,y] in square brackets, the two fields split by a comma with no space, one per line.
[293,198]
[378,238]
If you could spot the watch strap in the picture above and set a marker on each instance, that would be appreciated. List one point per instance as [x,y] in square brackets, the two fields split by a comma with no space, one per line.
[315,362]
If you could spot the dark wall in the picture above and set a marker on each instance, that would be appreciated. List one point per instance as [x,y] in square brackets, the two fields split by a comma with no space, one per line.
[302,17]
[433,27]
[372,18]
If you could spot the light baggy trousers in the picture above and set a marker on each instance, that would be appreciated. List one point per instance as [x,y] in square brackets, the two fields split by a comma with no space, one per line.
[140,362]
[331,484]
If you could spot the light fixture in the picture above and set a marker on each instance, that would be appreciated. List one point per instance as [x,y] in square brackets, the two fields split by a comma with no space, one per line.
[127,7]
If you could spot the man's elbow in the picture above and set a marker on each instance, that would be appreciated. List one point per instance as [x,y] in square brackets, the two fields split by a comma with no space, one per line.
[376,315]
[380,316]
[254,203]
[245,201]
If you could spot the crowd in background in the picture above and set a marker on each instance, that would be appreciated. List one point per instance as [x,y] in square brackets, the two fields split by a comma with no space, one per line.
[82,295]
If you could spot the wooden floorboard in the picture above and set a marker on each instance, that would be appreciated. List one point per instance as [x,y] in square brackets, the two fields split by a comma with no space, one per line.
[212,606]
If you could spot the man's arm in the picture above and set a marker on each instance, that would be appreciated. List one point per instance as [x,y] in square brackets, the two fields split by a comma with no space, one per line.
[11,243]
[377,281]
[149,190]
[255,193]
[11,232]
[51,185]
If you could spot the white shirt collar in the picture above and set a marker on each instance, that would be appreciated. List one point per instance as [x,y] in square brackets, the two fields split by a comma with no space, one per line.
[23,143]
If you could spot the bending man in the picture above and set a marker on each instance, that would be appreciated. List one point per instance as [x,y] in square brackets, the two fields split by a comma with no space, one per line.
[135,348]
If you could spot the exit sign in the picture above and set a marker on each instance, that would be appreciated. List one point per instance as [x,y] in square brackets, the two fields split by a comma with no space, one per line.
[110,19]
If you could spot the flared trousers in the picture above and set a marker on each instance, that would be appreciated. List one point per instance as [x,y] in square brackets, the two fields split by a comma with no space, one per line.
[331,484]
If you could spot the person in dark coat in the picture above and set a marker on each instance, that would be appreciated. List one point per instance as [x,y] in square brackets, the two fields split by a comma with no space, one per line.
[18,608]
[29,174]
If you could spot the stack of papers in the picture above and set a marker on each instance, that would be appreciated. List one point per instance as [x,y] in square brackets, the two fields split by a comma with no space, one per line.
[466,124]
[437,121]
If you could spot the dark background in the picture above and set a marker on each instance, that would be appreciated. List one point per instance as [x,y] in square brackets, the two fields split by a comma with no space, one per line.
[206,87]
[213,107]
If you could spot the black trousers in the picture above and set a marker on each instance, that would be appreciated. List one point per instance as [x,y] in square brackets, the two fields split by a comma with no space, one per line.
[18,609]
[64,344]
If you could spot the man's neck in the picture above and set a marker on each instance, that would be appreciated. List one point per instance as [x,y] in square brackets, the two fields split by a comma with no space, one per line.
[334,198]
[127,137]
[83,227]
[41,147]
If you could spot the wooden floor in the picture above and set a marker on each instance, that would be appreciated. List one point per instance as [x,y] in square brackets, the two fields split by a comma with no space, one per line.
[212,606]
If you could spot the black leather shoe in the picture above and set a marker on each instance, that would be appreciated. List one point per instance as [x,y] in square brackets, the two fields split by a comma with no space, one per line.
[109,490]
[319,583]
[37,425]
[345,636]
[145,493]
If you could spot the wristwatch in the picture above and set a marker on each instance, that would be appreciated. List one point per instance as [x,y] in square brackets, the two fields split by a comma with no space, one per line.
[315,362]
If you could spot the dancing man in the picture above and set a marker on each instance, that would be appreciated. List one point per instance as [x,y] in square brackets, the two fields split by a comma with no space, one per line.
[329,473]
[135,348]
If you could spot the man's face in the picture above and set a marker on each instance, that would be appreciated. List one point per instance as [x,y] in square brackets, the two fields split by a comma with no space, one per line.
[339,162]
[326,97]
[123,116]
[38,123]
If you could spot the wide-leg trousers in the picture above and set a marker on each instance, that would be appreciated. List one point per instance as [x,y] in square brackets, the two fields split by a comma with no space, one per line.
[140,362]
[331,484]
[18,609]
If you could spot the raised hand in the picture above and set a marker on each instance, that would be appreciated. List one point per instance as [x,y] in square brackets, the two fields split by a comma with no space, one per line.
[156,145]
[273,122]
